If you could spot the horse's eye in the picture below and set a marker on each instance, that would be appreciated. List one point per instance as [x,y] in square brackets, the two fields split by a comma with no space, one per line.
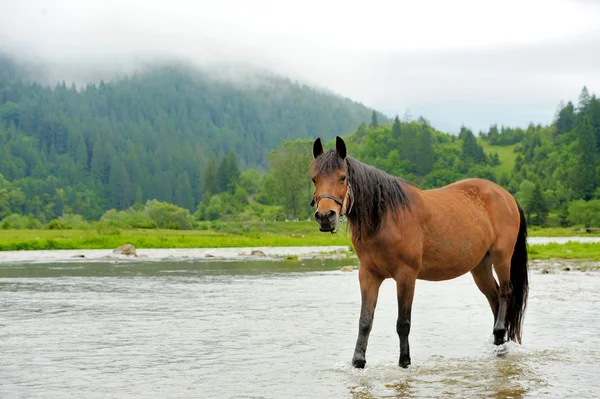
[342,178]
[314,179]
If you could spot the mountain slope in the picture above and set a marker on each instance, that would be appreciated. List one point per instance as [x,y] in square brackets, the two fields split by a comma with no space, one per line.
[149,135]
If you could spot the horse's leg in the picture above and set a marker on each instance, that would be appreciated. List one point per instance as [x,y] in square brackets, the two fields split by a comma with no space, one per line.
[369,287]
[405,285]
[485,281]
[501,261]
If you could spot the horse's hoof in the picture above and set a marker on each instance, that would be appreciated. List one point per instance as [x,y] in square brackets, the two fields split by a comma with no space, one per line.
[359,363]
[404,361]
[499,337]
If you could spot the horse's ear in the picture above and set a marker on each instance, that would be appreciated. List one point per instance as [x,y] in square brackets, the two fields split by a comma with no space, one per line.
[317,147]
[340,147]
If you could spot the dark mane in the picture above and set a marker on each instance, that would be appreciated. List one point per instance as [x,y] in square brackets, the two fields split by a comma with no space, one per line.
[375,192]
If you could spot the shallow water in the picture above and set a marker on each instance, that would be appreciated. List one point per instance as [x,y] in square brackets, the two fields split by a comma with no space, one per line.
[279,330]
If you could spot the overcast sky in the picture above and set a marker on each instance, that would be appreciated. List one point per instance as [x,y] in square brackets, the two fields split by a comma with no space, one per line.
[454,62]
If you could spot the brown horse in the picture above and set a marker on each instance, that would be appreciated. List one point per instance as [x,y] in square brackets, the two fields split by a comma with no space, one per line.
[402,232]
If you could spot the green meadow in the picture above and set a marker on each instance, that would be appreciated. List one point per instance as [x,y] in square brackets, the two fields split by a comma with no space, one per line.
[222,235]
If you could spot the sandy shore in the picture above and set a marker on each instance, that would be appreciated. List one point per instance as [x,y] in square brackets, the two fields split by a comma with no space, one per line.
[170,254]
[210,254]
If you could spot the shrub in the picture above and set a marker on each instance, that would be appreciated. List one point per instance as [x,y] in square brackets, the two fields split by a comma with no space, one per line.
[68,222]
[168,216]
[132,218]
[20,222]
[585,213]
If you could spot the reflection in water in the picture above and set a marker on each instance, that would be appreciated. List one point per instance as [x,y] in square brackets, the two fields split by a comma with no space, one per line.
[277,329]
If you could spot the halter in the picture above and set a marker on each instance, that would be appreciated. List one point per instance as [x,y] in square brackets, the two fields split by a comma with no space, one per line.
[343,203]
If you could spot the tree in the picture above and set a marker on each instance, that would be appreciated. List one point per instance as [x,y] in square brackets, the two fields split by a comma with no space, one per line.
[168,216]
[211,180]
[250,180]
[538,206]
[183,195]
[361,130]
[470,147]
[525,196]
[584,100]
[566,119]
[585,179]
[425,152]
[288,176]
[120,191]
[138,195]
[374,122]
[228,173]
[585,213]
[594,114]
[396,128]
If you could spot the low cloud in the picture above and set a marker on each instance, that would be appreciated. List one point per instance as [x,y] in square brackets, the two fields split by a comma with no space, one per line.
[464,62]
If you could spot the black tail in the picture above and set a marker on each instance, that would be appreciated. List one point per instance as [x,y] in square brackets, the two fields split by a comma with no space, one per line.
[520,284]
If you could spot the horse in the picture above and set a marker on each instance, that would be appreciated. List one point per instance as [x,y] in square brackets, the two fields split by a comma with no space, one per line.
[402,232]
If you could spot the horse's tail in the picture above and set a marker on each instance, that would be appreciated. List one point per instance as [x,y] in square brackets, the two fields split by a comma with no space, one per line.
[520,284]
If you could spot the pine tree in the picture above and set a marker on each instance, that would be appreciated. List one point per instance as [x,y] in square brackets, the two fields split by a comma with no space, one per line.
[585,179]
[396,128]
[139,199]
[119,186]
[594,114]
[470,147]
[374,122]
[211,179]
[584,100]
[425,153]
[233,172]
[361,131]
[538,206]
[566,119]
[228,173]
[183,195]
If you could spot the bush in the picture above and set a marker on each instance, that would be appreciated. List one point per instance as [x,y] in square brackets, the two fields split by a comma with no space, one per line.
[221,205]
[20,222]
[132,218]
[585,213]
[68,222]
[168,216]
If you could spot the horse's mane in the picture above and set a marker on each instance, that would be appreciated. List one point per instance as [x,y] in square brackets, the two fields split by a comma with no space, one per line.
[375,192]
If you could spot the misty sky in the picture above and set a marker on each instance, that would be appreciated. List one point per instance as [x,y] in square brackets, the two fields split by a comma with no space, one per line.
[454,62]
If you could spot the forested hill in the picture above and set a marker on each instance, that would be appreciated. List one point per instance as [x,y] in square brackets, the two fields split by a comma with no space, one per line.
[148,135]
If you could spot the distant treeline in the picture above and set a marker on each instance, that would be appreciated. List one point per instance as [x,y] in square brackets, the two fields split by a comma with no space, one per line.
[172,148]
[83,150]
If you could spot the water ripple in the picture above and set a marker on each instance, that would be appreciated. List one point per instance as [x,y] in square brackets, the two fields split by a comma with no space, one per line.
[228,331]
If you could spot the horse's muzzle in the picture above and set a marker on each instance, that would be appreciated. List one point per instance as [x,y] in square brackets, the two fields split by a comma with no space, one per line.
[327,222]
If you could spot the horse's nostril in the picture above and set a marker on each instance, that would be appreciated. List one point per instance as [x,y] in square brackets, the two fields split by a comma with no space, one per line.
[317,216]
[330,214]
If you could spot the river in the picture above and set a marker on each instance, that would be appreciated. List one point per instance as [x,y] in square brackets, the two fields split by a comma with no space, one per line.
[275,329]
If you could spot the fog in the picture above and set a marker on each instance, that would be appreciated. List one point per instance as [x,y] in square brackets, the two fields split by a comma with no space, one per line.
[463,62]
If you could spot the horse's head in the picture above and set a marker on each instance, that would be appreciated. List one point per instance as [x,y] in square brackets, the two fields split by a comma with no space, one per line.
[333,194]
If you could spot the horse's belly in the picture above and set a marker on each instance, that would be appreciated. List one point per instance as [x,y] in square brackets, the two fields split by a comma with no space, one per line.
[453,261]
[440,274]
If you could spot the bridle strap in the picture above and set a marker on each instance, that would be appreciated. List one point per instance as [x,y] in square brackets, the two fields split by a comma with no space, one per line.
[333,197]
[343,203]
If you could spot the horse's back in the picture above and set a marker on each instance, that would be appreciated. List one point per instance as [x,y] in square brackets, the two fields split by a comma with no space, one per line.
[462,222]
[500,205]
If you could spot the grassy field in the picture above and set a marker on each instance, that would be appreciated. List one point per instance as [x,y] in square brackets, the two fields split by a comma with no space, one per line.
[256,234]
[230,235]
[506,155]
[572,250]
